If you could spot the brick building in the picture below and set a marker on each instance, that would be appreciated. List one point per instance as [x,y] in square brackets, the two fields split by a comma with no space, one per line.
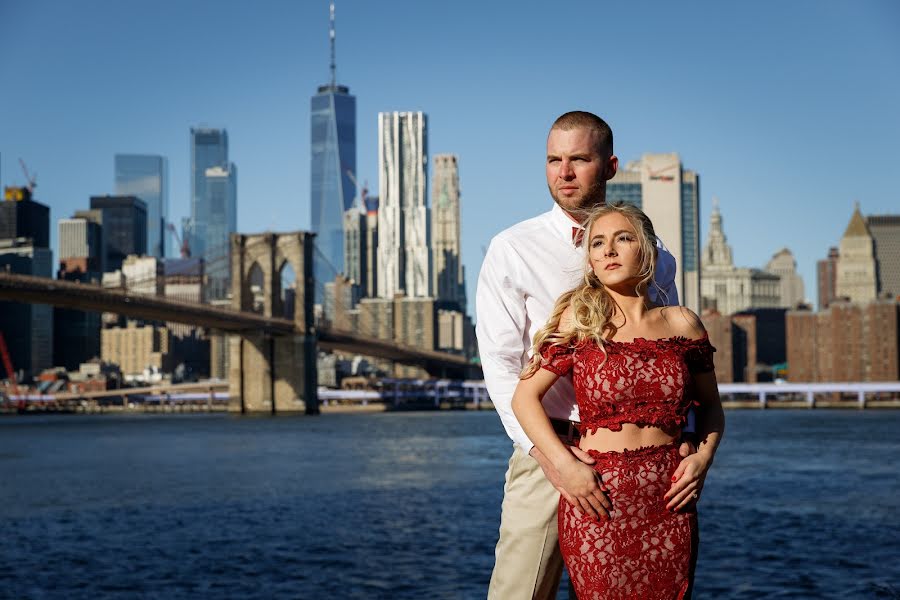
[846,342]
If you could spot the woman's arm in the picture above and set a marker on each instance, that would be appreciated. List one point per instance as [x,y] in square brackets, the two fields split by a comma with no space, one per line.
[577,481]
[690,475]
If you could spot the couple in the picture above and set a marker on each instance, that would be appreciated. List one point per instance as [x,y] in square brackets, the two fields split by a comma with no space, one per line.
[602,484]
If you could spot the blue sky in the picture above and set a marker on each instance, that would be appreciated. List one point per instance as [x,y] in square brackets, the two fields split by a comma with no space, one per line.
[788,110]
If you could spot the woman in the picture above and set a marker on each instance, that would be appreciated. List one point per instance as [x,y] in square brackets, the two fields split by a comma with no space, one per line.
[627,523]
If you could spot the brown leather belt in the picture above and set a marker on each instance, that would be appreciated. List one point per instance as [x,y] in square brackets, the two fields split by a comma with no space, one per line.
[566,430]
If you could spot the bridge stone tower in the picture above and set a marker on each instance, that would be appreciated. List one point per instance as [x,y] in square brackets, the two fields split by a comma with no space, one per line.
[273,373]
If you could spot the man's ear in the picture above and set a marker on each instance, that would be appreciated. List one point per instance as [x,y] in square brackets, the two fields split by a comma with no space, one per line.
[612,165]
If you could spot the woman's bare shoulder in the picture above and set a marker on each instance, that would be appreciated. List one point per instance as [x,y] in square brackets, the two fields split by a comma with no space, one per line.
[682,322]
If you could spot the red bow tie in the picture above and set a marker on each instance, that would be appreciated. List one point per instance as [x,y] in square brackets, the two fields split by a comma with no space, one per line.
[577,236]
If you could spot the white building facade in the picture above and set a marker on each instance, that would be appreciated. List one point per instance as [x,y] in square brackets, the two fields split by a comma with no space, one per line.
[404,256]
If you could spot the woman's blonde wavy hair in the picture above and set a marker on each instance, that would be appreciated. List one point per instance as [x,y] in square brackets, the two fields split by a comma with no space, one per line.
[592,306]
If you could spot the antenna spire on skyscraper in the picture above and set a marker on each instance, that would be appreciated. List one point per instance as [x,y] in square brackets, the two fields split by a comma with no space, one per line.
[331,36]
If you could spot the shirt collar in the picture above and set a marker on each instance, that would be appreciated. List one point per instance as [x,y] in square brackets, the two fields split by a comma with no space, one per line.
[562,223]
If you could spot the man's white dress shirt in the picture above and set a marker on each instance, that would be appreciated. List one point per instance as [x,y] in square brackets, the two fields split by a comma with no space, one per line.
[526,269]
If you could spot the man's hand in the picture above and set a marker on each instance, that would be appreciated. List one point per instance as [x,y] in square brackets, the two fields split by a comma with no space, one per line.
[581,486]
[687,447]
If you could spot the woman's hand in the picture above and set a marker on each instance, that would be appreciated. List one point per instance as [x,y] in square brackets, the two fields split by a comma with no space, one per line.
[687,481]
[582,487]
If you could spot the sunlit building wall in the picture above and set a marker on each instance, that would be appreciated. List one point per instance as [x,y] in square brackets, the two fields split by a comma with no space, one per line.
[404,257]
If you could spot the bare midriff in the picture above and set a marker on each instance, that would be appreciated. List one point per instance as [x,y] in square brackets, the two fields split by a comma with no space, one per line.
[631,437]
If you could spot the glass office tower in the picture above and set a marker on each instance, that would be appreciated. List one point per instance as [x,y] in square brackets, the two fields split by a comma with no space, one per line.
[209,148]
[144,176]
[333,167]
[217,225]
[213,206]
[124,223]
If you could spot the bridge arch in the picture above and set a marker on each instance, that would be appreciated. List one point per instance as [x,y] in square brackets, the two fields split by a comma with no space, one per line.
[272,373]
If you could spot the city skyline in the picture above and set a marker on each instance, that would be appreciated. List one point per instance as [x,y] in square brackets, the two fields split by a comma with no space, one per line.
[766,125]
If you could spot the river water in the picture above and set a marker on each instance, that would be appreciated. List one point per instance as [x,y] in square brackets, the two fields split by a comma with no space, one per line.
[800,504]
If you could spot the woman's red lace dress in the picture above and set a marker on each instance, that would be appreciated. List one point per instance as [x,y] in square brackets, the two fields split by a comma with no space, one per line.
[644,551]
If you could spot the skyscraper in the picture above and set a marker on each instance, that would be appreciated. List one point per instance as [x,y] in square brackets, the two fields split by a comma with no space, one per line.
[404,257]
[124,223]
[670,195]
[856,278]
[216,227]
[885,230]
[784,265]
[449,282]
[80,246]
[332,169]
[213,206]
[826,276]
[22,217]
[24,241]
[144,176]
[371,204]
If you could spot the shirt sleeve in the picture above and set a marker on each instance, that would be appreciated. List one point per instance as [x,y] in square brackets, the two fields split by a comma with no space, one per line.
[664,292]
[501,324]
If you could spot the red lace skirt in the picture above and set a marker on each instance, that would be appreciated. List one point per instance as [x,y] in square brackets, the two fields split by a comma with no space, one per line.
[644,551]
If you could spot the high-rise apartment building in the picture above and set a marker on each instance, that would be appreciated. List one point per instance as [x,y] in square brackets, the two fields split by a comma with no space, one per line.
[826,278]
[145,176]
[885,231]
[784,265]
[670,195]
[81,241]
[404,257]
[856,274]
[332,172]
[448,279]
[727,288]
[124,222]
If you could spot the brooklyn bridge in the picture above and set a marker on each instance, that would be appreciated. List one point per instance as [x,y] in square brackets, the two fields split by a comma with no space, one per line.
[272,353]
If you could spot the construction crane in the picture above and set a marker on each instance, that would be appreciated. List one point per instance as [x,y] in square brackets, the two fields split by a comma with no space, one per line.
[7,364]
[31,179]
[183,245]
[363,191]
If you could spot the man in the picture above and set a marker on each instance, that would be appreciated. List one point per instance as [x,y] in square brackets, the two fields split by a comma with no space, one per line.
[525,270]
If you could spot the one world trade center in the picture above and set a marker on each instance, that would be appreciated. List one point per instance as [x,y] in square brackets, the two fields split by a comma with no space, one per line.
[332,172]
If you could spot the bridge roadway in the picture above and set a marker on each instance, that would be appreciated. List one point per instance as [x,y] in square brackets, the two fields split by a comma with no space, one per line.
[81,296]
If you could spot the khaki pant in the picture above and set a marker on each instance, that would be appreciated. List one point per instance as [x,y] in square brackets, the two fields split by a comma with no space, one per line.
[528,562]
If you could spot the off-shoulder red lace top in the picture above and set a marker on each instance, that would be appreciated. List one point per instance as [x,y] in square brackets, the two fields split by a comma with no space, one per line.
[646,382]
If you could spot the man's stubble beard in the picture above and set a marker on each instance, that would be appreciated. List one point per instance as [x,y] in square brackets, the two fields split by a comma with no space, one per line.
[594,197]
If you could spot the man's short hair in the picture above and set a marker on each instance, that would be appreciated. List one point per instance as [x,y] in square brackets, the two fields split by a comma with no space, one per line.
[579,119]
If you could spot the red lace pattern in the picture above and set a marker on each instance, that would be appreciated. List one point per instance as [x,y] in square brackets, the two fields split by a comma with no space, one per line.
[643,551]
[647,382]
